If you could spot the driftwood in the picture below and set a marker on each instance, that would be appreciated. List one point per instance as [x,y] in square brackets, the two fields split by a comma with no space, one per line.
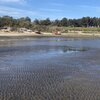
[38,32]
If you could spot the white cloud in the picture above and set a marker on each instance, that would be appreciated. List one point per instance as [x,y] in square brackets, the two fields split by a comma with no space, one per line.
[57,4]
[90,8]
[12,0]
[51,10]
[22,2]
[15,12]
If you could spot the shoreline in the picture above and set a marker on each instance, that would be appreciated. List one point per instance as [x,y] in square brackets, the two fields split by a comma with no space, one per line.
[45,34]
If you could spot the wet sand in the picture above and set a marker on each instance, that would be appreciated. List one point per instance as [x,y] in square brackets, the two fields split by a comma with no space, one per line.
[50,69]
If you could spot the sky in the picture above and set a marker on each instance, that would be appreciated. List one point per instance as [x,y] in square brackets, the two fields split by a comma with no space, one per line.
[53,9]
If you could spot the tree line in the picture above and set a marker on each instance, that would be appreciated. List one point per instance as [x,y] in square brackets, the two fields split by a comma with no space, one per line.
[26,22]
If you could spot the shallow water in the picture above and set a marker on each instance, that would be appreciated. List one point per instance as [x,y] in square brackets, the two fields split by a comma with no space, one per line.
[49,69]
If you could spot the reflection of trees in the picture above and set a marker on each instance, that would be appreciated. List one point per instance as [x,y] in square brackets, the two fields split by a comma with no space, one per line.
[65,49]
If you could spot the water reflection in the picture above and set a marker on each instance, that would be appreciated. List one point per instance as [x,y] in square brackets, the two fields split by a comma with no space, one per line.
[21,52]
[48,69]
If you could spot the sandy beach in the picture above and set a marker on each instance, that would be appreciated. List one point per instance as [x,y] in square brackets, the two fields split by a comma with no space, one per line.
[45,34]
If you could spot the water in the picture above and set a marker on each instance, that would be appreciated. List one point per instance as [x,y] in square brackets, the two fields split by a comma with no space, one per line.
[49,69]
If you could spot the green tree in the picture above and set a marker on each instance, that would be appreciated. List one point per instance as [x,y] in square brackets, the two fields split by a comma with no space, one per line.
[24,22]
[45,22]
[64,22]
[6,21]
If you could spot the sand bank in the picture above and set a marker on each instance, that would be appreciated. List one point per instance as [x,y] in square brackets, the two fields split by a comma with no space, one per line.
[33,34]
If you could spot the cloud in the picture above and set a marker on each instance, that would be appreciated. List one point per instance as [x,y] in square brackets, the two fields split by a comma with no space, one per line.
[12,0]
[15,12]
[22,2]
[91,8]
[50,10]
[57,4]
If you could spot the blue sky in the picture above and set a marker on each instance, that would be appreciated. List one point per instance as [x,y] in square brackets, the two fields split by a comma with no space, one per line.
[53,9]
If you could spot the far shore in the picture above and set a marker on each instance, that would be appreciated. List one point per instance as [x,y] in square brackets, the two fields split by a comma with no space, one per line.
[46,34]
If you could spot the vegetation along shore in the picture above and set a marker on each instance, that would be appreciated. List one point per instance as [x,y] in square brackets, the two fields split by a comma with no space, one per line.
[83,27]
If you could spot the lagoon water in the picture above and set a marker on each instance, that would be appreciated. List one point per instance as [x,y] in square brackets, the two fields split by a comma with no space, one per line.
[49,69]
